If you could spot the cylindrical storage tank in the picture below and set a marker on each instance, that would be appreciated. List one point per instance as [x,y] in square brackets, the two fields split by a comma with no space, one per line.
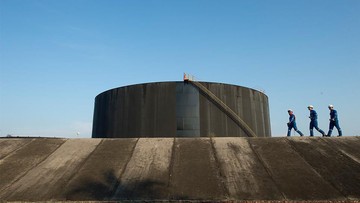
[179,109]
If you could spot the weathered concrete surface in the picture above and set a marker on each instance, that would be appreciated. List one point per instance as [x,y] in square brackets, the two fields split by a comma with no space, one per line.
[292,174]
[244,175]
[7,146]
[340,170]
[98,178]
[192,169]
[28,156]
[44,181]
[147,173]
[195,173]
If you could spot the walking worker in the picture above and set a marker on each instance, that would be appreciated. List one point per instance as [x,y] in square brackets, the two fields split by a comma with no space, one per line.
[292,123]
[313,122]
[333,121]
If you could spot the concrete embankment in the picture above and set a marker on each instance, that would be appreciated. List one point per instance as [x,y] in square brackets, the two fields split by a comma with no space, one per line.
[191,169]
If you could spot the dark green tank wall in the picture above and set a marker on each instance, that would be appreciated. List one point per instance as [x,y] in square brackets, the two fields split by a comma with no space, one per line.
[178,109]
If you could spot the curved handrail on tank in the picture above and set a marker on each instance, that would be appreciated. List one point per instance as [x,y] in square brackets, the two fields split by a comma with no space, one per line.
[242,124]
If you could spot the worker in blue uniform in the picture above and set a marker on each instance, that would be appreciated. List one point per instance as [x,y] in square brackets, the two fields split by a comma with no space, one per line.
[313,122]
[292,123]
[333,121]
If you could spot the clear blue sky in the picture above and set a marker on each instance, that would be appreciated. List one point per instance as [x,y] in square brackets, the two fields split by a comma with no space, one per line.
[56,56]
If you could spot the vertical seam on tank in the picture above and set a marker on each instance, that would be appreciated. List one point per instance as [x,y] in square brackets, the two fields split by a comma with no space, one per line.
[171,167]
[265,167]
[77,169]
[24,174]
[218,167]
[329,182]
[114,188]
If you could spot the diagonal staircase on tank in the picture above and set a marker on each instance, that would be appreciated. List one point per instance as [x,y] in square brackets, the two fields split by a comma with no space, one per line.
[226,109]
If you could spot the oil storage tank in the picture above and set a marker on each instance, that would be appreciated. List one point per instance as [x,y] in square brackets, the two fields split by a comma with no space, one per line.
[181,109]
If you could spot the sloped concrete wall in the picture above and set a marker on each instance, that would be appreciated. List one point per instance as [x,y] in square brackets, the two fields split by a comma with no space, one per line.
[151,169]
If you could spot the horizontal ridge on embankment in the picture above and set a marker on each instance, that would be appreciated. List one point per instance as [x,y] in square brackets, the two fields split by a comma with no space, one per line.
[193,169]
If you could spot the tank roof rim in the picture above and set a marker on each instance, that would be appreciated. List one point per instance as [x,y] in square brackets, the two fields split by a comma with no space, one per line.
[145,83]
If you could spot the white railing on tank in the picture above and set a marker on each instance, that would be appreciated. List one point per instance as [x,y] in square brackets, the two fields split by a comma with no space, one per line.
[188,77]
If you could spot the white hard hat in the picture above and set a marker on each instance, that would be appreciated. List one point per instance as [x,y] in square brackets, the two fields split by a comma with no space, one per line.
[310,106]
[290,110]
[331,106]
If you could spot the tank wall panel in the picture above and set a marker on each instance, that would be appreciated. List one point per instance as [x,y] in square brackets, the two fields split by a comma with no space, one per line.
[250,105]
[178,109]
[187,110]
[146,110]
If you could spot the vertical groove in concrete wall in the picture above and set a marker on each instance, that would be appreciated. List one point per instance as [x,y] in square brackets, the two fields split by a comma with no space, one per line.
[222,177]
[100,173]
[237,158]
[267,169]
[195,174]
[115,186]
[315,171]
[9,146]
[78,168]
[171,166]
[306,184]
[176,109]
[330,165]
[349,147]
[183,169]
[146,174]
[42,177]
[13,167]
